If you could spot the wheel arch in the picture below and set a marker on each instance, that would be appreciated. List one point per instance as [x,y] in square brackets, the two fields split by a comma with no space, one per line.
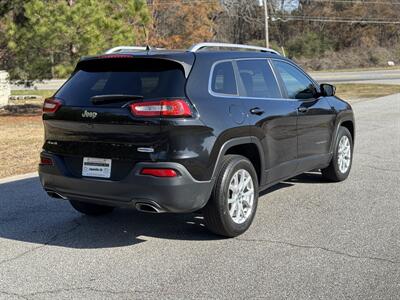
[345,119]
[249,147]
[349,124]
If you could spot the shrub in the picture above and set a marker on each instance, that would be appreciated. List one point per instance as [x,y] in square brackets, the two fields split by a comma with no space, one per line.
[309,45]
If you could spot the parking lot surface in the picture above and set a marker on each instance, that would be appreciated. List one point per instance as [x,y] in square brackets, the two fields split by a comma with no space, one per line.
[310,238]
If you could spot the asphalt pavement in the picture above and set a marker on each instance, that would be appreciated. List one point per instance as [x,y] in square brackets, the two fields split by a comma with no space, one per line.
[388,76]
[310,239]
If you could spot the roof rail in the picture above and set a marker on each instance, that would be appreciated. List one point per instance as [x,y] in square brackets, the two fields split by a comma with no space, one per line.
[125,48]
[200,46]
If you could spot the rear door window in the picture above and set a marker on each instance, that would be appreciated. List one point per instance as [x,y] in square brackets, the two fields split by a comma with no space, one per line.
[150,78]
[258,79]
[223,79]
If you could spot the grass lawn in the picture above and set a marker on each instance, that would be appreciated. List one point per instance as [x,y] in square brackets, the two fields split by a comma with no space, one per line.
[42,93]
[356,91]
[21,139]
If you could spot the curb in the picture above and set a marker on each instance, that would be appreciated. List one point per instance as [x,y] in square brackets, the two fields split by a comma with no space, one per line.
[18,177]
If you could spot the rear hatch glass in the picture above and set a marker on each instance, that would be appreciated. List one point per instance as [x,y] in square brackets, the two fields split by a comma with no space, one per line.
[149,78]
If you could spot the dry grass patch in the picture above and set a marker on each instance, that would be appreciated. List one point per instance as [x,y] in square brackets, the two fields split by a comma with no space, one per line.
[354,91]
[40,93]
[21,141]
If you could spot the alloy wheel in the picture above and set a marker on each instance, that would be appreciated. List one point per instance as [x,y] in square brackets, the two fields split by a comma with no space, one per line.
[344,154]
[240,196]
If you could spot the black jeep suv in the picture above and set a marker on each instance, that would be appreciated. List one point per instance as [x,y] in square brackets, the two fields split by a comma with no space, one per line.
[181,131]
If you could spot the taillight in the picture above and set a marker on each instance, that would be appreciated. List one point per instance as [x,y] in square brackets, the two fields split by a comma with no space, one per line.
[162,108]
[46,161]
[159,172]
[51,105]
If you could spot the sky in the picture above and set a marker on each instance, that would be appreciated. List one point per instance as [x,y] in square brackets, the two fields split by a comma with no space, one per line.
[289,4]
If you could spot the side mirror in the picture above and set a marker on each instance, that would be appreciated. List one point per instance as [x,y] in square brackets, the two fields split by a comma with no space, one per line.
[327,90]
[309,93]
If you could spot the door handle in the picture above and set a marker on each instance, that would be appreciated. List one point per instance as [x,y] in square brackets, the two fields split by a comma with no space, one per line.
[302,109]
[256,111]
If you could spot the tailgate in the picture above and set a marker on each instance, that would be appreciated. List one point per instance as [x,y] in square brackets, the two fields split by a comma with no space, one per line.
[82,128]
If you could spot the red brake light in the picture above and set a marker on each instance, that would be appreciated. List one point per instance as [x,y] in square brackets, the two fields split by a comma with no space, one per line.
[107,56]
[46,161]
[163,108]
[159,172]
[51,105]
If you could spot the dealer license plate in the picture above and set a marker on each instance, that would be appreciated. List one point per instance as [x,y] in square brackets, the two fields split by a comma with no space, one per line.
[96,167]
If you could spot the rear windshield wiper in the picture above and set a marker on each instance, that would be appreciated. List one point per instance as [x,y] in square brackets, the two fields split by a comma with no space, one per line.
[114,98]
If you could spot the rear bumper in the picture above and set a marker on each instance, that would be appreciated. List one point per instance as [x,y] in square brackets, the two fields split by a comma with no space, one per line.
[178,194]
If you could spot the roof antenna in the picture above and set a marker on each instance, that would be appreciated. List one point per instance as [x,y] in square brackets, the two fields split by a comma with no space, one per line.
[148,48]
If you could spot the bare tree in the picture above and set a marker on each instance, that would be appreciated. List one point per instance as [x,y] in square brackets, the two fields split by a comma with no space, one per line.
[240,20]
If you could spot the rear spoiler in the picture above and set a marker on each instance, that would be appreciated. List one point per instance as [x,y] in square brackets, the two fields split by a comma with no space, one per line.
[185,60]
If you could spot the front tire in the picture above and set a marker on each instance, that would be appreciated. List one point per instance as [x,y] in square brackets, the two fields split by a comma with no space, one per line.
[91,209]
[233,203]
[340,165]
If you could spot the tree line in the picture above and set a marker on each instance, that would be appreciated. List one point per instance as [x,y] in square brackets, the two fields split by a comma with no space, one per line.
[42,39]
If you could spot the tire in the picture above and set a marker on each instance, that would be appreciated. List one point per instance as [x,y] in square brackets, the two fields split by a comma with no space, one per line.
[90,208]
[334,172]
[217,216]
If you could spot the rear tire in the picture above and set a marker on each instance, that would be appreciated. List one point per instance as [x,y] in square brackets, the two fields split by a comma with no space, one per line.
[91,209]
[233,203]
[340,165]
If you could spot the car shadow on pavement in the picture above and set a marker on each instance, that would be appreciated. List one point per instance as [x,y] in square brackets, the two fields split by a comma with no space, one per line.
[309,177]
[27,214]
[276,187]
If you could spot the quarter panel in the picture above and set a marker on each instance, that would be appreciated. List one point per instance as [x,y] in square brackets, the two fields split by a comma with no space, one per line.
[221,116]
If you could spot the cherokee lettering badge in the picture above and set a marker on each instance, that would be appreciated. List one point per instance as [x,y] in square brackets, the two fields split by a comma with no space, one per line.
[89,114]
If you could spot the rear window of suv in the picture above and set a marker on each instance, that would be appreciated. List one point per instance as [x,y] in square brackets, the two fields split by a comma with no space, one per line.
[258,79]
[150,78]
[223,79]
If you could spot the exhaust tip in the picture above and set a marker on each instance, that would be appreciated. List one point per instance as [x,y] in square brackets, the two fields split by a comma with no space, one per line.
[148,208]
[54,194]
